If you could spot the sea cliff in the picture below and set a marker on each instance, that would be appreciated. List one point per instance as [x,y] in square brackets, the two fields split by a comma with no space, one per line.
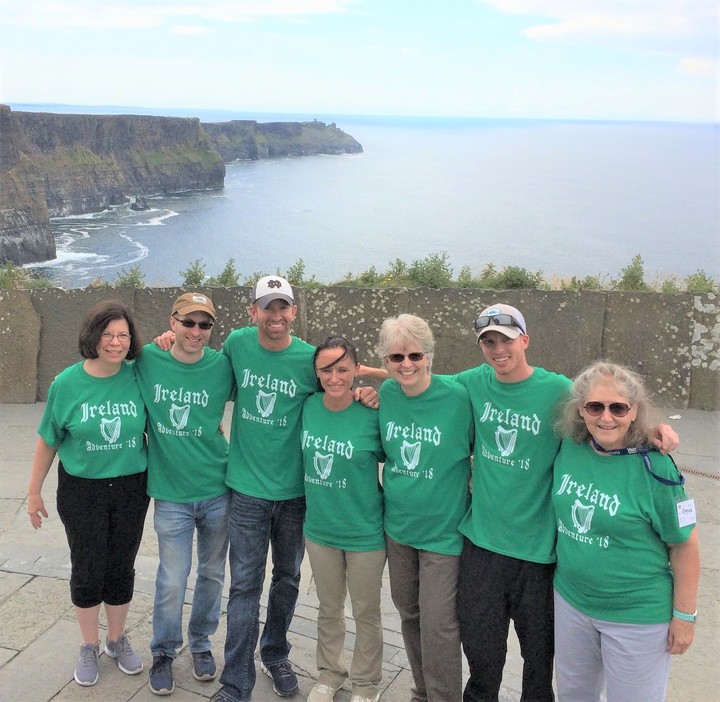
[54,165]
[250,140]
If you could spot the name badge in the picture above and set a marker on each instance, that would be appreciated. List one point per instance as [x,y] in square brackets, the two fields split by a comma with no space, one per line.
[686,512]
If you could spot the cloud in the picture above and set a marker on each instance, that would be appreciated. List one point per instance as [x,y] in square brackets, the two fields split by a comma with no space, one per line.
[667,26]
[190,30]
[697,67]
[145,14]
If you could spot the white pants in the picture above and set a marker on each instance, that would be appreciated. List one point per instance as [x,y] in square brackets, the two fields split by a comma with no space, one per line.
[630,660]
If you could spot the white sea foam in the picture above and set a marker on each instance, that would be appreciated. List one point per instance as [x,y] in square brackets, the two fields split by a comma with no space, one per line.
[70,218]
[157,221]
[141,251]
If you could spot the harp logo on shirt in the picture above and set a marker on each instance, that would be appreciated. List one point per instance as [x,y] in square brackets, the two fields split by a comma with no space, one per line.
[410,454]
[110,429]
[323,464]
[179,415]
[582,516]
[505,440]
[265,402]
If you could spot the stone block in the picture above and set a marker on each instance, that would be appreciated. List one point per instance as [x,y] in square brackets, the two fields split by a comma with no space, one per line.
[20,327]
[650,333]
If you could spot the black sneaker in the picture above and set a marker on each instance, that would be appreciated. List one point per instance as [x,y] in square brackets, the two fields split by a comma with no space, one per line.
[161,677]
[285,681]
[204,667]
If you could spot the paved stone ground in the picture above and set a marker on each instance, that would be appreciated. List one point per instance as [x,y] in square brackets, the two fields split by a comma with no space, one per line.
[39,637]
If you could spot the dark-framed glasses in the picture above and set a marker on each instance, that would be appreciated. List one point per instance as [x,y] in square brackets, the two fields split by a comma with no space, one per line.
[190,323]
[501,320]
[617,409]
[122,337]
[415,356]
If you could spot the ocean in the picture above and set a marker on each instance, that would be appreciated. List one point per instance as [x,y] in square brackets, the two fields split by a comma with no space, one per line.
[564,198]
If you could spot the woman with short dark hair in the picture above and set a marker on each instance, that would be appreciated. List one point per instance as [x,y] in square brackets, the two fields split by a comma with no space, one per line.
[94,421]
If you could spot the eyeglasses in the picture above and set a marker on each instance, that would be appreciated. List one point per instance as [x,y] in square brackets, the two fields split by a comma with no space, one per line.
[617,409]
[122,337]
[415,356]
[190,323]
[502,320]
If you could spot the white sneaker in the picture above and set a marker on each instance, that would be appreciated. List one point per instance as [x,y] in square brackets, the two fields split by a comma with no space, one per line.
[321,693]
[360,698]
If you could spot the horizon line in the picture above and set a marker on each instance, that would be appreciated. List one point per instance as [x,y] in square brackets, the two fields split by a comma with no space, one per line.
[335,116]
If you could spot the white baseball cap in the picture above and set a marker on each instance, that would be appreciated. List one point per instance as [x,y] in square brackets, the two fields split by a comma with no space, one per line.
[272,287]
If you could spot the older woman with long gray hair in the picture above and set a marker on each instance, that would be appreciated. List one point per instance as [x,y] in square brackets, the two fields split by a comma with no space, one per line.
[627,549]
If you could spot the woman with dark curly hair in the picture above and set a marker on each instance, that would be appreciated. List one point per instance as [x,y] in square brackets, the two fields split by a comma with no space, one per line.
[94,421]
[627,547]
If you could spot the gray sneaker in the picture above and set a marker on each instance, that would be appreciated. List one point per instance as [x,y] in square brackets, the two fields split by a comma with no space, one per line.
[161,676]
[204,667]
[86,670]
[128,661]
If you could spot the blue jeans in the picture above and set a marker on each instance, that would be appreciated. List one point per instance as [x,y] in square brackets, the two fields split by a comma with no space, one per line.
[175,524]
[256,525]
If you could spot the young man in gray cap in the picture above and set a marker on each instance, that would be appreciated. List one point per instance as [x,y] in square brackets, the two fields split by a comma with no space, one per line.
[185,392]
[508,560]
[274,374]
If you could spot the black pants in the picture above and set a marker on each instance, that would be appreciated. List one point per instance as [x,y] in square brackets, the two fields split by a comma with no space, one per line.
[103,520]
[494,589]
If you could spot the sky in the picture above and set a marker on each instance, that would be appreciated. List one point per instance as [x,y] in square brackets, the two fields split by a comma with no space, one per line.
[552,59]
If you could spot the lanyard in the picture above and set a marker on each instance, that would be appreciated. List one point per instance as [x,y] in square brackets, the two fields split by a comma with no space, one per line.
[643,453]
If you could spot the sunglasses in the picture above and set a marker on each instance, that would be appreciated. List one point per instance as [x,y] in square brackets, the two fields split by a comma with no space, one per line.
[617,409]
[501,320]
[190,323]
[415,356]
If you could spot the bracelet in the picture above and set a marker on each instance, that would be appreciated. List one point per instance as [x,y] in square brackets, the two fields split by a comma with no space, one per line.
[685,617]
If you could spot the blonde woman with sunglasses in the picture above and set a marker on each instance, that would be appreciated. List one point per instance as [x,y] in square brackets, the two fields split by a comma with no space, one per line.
[426,426]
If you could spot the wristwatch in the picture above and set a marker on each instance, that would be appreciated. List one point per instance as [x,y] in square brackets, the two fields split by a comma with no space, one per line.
[685,617]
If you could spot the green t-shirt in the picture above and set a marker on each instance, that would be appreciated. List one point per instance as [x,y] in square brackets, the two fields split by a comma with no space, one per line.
[265,457]
[187,454]
[614,521]
[96,424]
[515,446]
[428,442]
[341,452]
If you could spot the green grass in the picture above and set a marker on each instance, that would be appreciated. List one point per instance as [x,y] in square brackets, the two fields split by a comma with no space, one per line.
[433,271]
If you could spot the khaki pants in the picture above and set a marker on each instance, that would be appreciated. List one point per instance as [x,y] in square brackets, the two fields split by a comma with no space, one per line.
[336,574]
[423,585]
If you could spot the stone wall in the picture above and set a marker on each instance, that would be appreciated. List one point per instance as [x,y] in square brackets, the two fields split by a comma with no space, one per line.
[672,340]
